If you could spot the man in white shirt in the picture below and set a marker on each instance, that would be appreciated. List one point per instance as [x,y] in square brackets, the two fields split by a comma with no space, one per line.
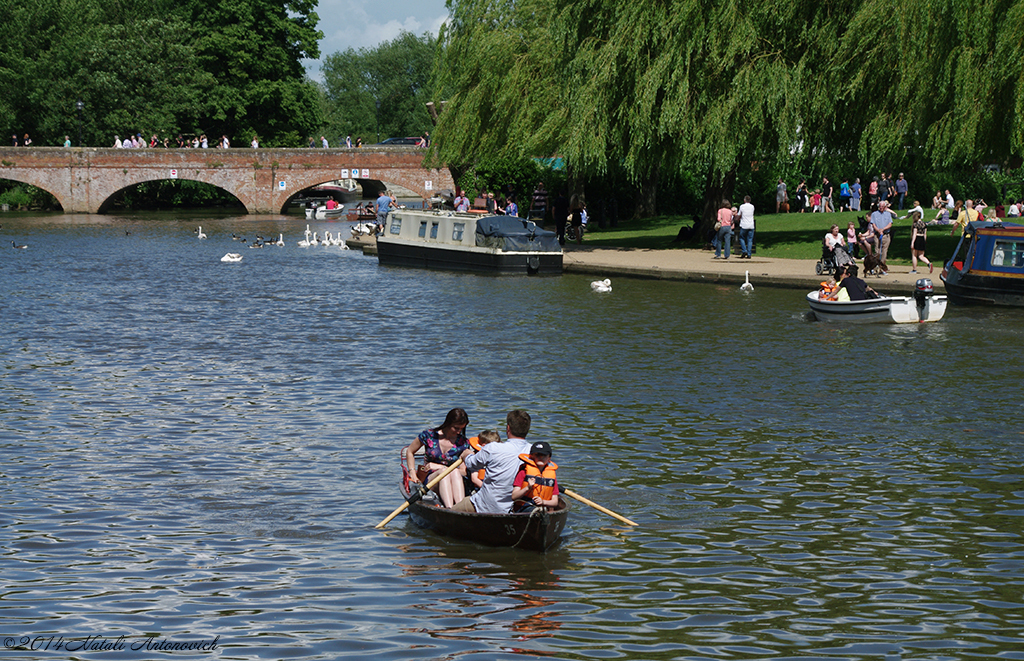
[501,462]
[949,200]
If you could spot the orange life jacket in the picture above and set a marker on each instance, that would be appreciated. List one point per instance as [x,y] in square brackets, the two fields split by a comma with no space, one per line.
[828,292]
[474,443]
[544,485]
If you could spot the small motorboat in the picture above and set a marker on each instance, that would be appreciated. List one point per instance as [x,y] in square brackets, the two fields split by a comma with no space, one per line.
[538,530]
[987,267]
[923,306]
[323,213]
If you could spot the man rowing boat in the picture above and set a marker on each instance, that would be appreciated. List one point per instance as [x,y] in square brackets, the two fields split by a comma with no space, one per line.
[501,462]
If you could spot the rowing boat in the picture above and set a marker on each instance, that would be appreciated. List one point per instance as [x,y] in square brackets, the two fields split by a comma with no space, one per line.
[539,530]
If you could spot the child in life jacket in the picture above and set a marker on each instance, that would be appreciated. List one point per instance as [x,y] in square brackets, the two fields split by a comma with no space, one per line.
[477,443]
[535,484]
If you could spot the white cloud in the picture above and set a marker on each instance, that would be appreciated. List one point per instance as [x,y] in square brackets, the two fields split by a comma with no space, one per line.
[366,24]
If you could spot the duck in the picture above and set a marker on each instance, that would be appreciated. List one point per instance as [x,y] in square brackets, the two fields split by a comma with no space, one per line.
[201,235]
[18,247]
[231,257]
[746,286]
[601,285]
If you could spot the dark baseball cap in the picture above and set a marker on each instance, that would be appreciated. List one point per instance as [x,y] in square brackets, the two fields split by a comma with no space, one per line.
[540,447]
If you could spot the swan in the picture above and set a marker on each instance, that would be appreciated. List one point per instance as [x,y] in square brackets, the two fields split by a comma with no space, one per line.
[746,286]
[601,285]
[231,257]
[18,247]
[280,240]
[201,235]
[305,243]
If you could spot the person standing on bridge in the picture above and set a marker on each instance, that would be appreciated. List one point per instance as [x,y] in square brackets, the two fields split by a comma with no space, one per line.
[255,144]
[324,143]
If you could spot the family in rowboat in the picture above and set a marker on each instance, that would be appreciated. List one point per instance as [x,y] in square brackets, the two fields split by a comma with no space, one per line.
[517,476]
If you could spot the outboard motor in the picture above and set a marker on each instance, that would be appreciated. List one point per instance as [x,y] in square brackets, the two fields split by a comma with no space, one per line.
[923,290]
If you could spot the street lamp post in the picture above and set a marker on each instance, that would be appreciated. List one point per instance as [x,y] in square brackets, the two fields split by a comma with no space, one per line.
[80,107]
[378,120]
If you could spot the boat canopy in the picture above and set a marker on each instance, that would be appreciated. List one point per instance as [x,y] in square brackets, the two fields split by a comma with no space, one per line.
[995,247]
[514,234]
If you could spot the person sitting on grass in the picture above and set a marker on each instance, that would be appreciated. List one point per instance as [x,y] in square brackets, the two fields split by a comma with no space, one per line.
[536,484]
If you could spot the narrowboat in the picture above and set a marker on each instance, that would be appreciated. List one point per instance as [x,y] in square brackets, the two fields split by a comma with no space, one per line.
[987,267]
[467,242]
[539,530]
[923,306]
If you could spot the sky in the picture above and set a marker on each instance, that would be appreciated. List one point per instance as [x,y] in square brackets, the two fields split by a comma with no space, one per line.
[368,23]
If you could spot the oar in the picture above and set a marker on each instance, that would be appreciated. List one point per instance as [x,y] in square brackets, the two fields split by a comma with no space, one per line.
[569,492]
[413,497]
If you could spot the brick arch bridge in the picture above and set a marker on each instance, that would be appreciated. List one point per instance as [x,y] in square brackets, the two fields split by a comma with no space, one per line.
[84,179]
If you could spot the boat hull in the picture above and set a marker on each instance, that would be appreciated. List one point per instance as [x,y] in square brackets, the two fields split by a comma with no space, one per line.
[323,213]
[393,252]
[884,310]
[538,531]
[987,266]
[971,289]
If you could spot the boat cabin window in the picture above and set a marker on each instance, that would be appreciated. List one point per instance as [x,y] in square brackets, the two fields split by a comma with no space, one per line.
[1008,254]
[423,229]
[396,224]
[433,230]
[458,229]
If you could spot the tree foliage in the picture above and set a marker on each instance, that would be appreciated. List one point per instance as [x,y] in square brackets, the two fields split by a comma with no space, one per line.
[664,89]
[396,74]
[229,67]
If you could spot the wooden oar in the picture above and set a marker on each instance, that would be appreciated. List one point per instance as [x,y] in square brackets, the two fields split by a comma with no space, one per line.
[569,492]
[413,497]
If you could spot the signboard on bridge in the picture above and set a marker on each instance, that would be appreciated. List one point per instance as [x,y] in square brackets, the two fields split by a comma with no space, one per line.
[174,174]
[281,185]
[428,185]
[344,173]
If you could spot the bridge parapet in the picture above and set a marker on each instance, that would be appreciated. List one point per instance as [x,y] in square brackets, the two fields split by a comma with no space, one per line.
[264,180]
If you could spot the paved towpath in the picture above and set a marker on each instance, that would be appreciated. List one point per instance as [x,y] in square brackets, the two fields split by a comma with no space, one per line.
[700,266]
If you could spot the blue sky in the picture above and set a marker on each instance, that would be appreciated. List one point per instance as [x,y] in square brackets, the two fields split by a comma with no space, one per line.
[365,23]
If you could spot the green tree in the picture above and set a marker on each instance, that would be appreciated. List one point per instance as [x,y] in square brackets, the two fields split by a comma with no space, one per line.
[396,74]
[254,51]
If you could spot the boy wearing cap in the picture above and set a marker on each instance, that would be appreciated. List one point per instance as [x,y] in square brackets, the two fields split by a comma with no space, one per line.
[536,484]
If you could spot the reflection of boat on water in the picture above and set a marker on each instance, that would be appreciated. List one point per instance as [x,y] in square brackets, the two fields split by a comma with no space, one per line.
[987,267]
[924,305]
[465,242]
[537,531]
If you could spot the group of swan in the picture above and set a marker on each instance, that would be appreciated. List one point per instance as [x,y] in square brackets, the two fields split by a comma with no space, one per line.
[313,239]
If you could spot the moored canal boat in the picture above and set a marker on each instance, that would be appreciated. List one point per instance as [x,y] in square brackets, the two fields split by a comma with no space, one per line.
[467,242]
[987,267]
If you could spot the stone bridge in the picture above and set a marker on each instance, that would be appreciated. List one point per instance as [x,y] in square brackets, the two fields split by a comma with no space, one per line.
[85,179]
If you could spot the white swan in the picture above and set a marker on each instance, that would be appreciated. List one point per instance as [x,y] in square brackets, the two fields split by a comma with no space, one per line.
[746,286]
[231,257]
[601,285]
[305,243]
[280,240]
[201,235]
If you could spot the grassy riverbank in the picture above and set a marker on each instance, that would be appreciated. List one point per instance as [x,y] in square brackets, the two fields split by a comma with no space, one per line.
[785,236]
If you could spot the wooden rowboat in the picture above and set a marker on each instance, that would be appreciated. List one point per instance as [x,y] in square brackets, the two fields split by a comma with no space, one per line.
[539,530]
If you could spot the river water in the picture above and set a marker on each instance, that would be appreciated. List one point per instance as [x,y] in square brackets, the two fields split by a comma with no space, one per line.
[199,451]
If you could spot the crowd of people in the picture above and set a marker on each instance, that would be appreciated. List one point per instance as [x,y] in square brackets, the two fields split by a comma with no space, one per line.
[495,477]
[138,141]
[852,196]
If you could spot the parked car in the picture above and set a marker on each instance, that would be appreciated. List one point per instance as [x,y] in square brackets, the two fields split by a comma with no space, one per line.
[401,141]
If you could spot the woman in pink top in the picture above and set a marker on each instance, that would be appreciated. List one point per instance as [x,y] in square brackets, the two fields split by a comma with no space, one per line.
[724,231]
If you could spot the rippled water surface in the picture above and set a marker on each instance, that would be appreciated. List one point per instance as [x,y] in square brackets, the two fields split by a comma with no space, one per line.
[194,449]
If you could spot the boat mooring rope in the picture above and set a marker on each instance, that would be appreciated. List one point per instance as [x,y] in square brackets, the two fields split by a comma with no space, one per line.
[526,528]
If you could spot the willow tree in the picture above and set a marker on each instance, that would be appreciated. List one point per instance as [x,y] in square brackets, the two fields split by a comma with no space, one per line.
[938,76]
[495,74]
[697,85]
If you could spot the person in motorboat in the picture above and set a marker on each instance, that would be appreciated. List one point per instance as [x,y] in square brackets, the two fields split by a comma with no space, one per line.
[536,484]
[442,446]
[852,288]
[501,461]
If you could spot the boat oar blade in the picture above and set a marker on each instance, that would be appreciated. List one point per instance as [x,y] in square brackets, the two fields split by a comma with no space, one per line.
[599,508]
[413,497]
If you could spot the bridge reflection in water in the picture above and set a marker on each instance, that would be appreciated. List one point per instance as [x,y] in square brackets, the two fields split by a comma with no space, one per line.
[83,180]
